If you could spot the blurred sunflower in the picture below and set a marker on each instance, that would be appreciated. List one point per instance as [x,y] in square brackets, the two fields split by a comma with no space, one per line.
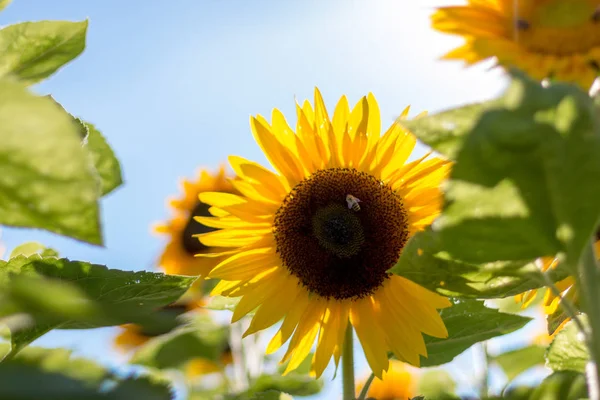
[397,383]
[567,288]
[312,242]
[178,256]
[133,336]
[557,39]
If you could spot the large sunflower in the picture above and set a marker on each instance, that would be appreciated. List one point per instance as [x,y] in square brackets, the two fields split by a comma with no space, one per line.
[567,288]
[396,384]
[312,242]
[179,255]
[557,39]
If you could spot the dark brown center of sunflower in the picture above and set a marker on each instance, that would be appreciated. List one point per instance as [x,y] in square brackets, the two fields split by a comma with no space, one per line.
[191,244]
[339,231]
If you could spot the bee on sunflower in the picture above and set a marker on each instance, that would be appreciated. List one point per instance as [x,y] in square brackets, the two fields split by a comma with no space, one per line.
[556,39]
[296,250]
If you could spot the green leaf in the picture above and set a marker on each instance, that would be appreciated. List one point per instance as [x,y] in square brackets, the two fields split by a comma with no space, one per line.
[294,384]
[30,248]
[4,4]
[59,376]
[423,261]
[74,294]
[203,339]
[271,395]
[515,362]
[556,319]
[437,384]
[221,303]
[446,131]
[32,51]
[518,175]
[468,322]
[561,385]
[568,350]
[47,181]
[104,159]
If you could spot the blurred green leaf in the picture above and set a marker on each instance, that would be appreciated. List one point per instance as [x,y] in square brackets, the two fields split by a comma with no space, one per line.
[515,362]
[568,350]
[293,384]
[58,293]
[437,384]
[220,303]
[271,395]
[104,159]
[38,373]
[468,322]
[446,131]
[32,51]
[47,181]
[561,385]
[518,174]
[4,4]
[201,339]
[30,248]
[556,319]
[423,261]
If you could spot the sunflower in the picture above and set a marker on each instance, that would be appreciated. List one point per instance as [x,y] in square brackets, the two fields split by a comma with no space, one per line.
[178,256]
[566,287]
[312,242]
[396,384]
[558,39]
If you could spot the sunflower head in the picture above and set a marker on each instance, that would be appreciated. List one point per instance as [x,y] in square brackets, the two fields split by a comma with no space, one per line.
[178,256]
[311,243]
[558,39]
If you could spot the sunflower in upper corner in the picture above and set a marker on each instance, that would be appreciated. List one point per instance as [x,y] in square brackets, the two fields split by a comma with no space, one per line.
[556,39]
[179,255]
[312,243]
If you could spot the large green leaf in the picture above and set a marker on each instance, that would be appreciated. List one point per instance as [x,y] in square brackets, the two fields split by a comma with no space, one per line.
[58,293]
[561,385]
[47,181]
[468,322]
[32,51]
[38,373]
[423,261]
[437,384]
[200,339]
[104,159]
[568,350]
[515,362]
[446,131]
[519,174]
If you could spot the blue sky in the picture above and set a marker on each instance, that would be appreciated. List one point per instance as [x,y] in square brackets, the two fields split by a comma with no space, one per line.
[172,85]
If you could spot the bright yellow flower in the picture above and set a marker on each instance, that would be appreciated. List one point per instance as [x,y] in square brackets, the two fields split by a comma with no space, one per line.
[312,242]
[566,286]
[397,384]
[557,39]
[178,257]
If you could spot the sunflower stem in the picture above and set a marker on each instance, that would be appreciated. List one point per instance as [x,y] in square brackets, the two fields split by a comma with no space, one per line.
[589,282]
[348,365]
[365,389]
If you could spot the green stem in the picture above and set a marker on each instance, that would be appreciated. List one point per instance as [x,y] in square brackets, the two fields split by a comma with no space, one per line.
[589,283]
[485,378]
[365,389]
[348,365]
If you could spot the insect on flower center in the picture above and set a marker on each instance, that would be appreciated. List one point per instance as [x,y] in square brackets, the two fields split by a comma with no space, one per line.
[191,244]
[339,231]
[558,27]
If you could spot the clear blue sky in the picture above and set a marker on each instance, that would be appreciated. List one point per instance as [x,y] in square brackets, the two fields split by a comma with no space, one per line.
[172,85]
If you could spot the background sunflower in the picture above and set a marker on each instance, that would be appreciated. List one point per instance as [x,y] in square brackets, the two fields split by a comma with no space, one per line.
[558,39]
